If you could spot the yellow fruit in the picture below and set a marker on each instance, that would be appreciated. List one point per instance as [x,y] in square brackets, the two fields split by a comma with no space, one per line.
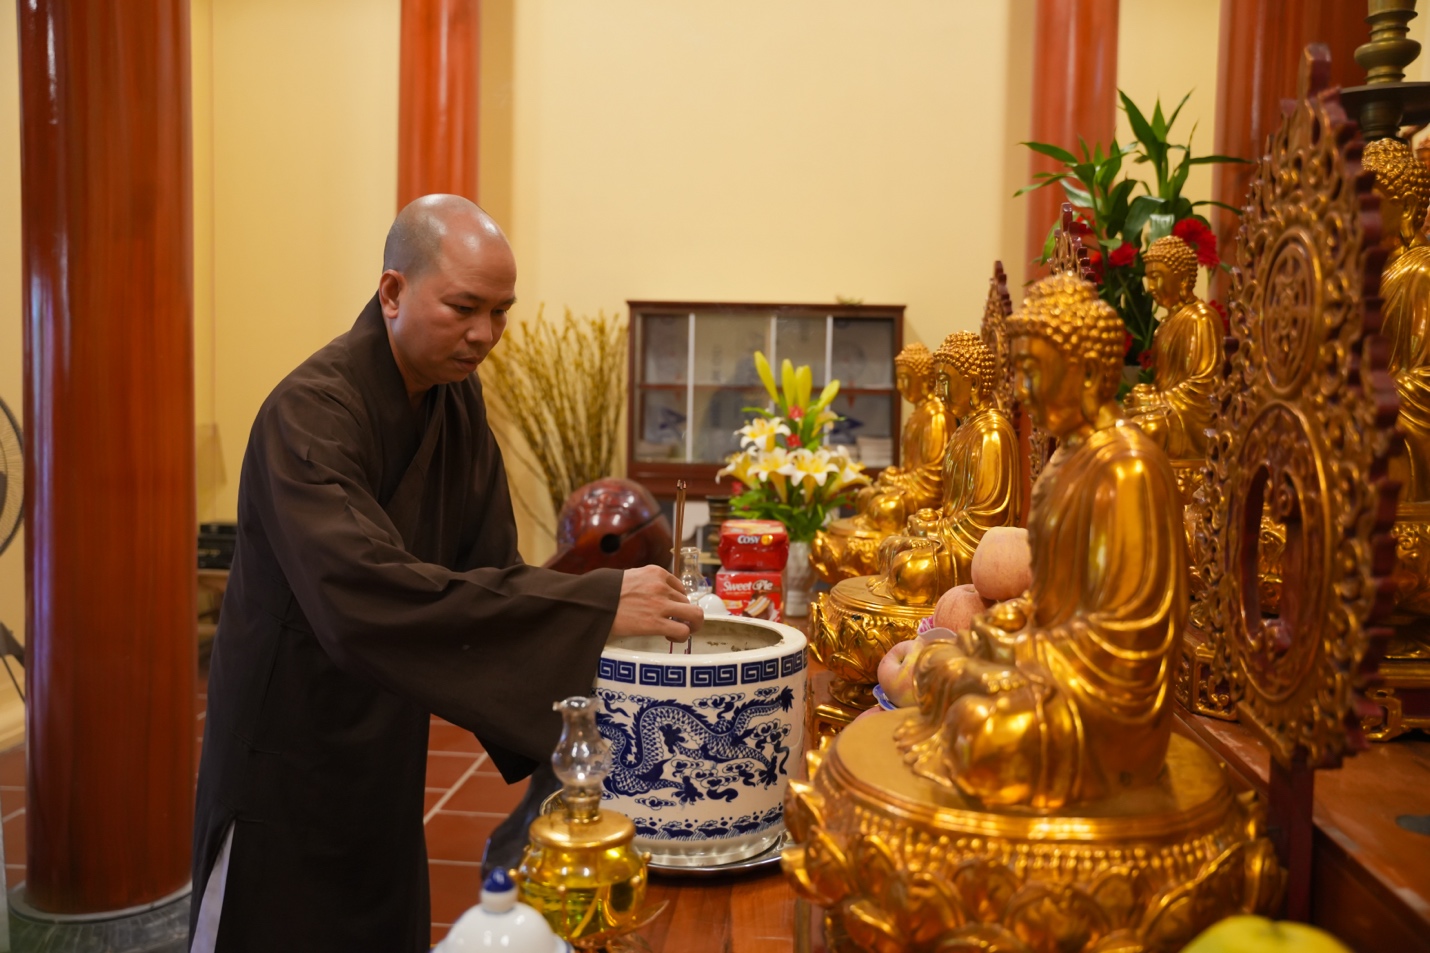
[1260,935]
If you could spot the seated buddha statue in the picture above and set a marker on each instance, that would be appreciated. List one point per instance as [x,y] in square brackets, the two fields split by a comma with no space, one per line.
[850,545]
[1065,694]
[1175,409]
[981,482]
[1403,185]
[854,624]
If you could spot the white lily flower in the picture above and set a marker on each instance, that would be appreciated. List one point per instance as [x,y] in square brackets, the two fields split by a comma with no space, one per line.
[763,433]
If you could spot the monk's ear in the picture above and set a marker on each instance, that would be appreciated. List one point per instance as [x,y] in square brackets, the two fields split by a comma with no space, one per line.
[390,289]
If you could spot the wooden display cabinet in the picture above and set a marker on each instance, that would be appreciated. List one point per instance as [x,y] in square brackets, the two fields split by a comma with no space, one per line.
[695,361]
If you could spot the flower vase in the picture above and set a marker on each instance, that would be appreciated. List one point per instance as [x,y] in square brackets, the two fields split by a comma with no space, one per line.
[799,580]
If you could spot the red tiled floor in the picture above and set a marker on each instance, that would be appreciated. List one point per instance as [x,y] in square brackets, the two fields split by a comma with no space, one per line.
[15,839]
[455,888]
[12,767]
[448,737]
[486,792]
[458,836]
[11,800]
[445,770]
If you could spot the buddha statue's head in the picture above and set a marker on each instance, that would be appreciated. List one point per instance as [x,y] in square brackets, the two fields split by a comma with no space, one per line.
[964,366]
[913,373]
[1171,272]
[1403,184]
[1066,345]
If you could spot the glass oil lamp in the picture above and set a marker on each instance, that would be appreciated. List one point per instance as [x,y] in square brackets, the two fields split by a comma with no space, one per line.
[580,870]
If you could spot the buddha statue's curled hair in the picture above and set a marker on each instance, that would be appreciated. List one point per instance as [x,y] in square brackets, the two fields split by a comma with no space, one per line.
[1066,311]
[916,359]
[966,352]
[1400,174]
[1176,254]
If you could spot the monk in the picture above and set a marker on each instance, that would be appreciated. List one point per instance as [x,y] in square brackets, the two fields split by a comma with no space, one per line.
[376,581]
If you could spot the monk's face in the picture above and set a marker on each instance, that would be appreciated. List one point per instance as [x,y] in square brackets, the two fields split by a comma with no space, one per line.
[443,321]
[1048,384]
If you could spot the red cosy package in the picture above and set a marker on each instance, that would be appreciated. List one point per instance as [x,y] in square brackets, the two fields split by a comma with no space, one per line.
[754,544]
[755,595]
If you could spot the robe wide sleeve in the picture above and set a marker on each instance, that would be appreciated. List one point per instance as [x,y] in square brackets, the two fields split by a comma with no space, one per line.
[487,648]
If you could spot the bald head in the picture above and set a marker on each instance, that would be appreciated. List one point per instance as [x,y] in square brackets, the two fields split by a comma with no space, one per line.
[448,280]
[417,236]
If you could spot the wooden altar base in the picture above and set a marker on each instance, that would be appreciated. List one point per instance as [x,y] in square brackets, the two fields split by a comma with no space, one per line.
[1370,851]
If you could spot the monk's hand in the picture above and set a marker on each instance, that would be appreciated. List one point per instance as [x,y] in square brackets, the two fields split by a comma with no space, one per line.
[653,602]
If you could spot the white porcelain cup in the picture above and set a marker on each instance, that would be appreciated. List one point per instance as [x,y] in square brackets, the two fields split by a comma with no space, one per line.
[702,744]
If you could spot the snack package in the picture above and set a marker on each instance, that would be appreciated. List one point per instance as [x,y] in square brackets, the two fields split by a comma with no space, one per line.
[754,545]
[753,594]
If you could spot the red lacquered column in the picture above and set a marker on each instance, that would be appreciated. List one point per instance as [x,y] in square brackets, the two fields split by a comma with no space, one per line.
[437,105]
[1261,45]
[109,421]
[1074,94]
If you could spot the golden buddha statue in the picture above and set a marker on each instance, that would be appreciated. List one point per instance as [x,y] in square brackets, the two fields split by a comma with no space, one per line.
[1403,184]
[1175,409]
[859,620]
[849,547]
[914,830]
[1064,695]
[980,478]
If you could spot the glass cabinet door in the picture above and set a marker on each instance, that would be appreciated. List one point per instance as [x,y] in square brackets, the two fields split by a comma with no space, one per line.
[695,376]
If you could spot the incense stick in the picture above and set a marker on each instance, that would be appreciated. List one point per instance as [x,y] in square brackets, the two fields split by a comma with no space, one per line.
[679,537]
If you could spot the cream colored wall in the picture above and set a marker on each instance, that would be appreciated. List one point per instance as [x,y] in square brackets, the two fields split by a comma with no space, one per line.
[302,123]
[1146,72]
[12,562]
[743,150]
[750,151]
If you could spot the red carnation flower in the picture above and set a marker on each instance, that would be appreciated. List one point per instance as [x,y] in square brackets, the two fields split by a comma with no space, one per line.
[792,441]
[1220,309]
[1123,255]
[1094,258]
[796,413]
[736,487]
[1127,342]
[1147,359]
[1081,226]
[1201,238]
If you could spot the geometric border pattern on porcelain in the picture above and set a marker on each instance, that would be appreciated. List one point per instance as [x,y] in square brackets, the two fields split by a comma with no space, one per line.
[701,676]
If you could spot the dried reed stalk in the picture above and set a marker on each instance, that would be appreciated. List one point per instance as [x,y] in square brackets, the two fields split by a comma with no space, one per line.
[561,388]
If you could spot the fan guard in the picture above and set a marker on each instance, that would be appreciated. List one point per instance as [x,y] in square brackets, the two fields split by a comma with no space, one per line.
[12,476]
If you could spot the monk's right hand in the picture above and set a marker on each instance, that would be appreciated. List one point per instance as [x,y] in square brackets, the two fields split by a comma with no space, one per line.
[653,602]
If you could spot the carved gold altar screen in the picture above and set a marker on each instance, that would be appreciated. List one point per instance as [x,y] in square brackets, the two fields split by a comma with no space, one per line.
[862,617]
[1037,800]
[1303,434]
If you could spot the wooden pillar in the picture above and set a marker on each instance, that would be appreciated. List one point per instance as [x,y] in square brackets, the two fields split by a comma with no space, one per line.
[437,104]
[1074,94]
[1260,53]
[107,238]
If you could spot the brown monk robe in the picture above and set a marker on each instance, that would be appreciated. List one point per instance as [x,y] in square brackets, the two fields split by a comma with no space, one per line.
[376,580]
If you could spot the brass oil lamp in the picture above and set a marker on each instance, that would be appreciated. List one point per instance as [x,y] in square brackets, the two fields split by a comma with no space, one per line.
[580,870]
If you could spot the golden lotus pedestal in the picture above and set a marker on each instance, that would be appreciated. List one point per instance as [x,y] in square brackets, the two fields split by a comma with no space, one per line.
[851,629]
[902,863]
